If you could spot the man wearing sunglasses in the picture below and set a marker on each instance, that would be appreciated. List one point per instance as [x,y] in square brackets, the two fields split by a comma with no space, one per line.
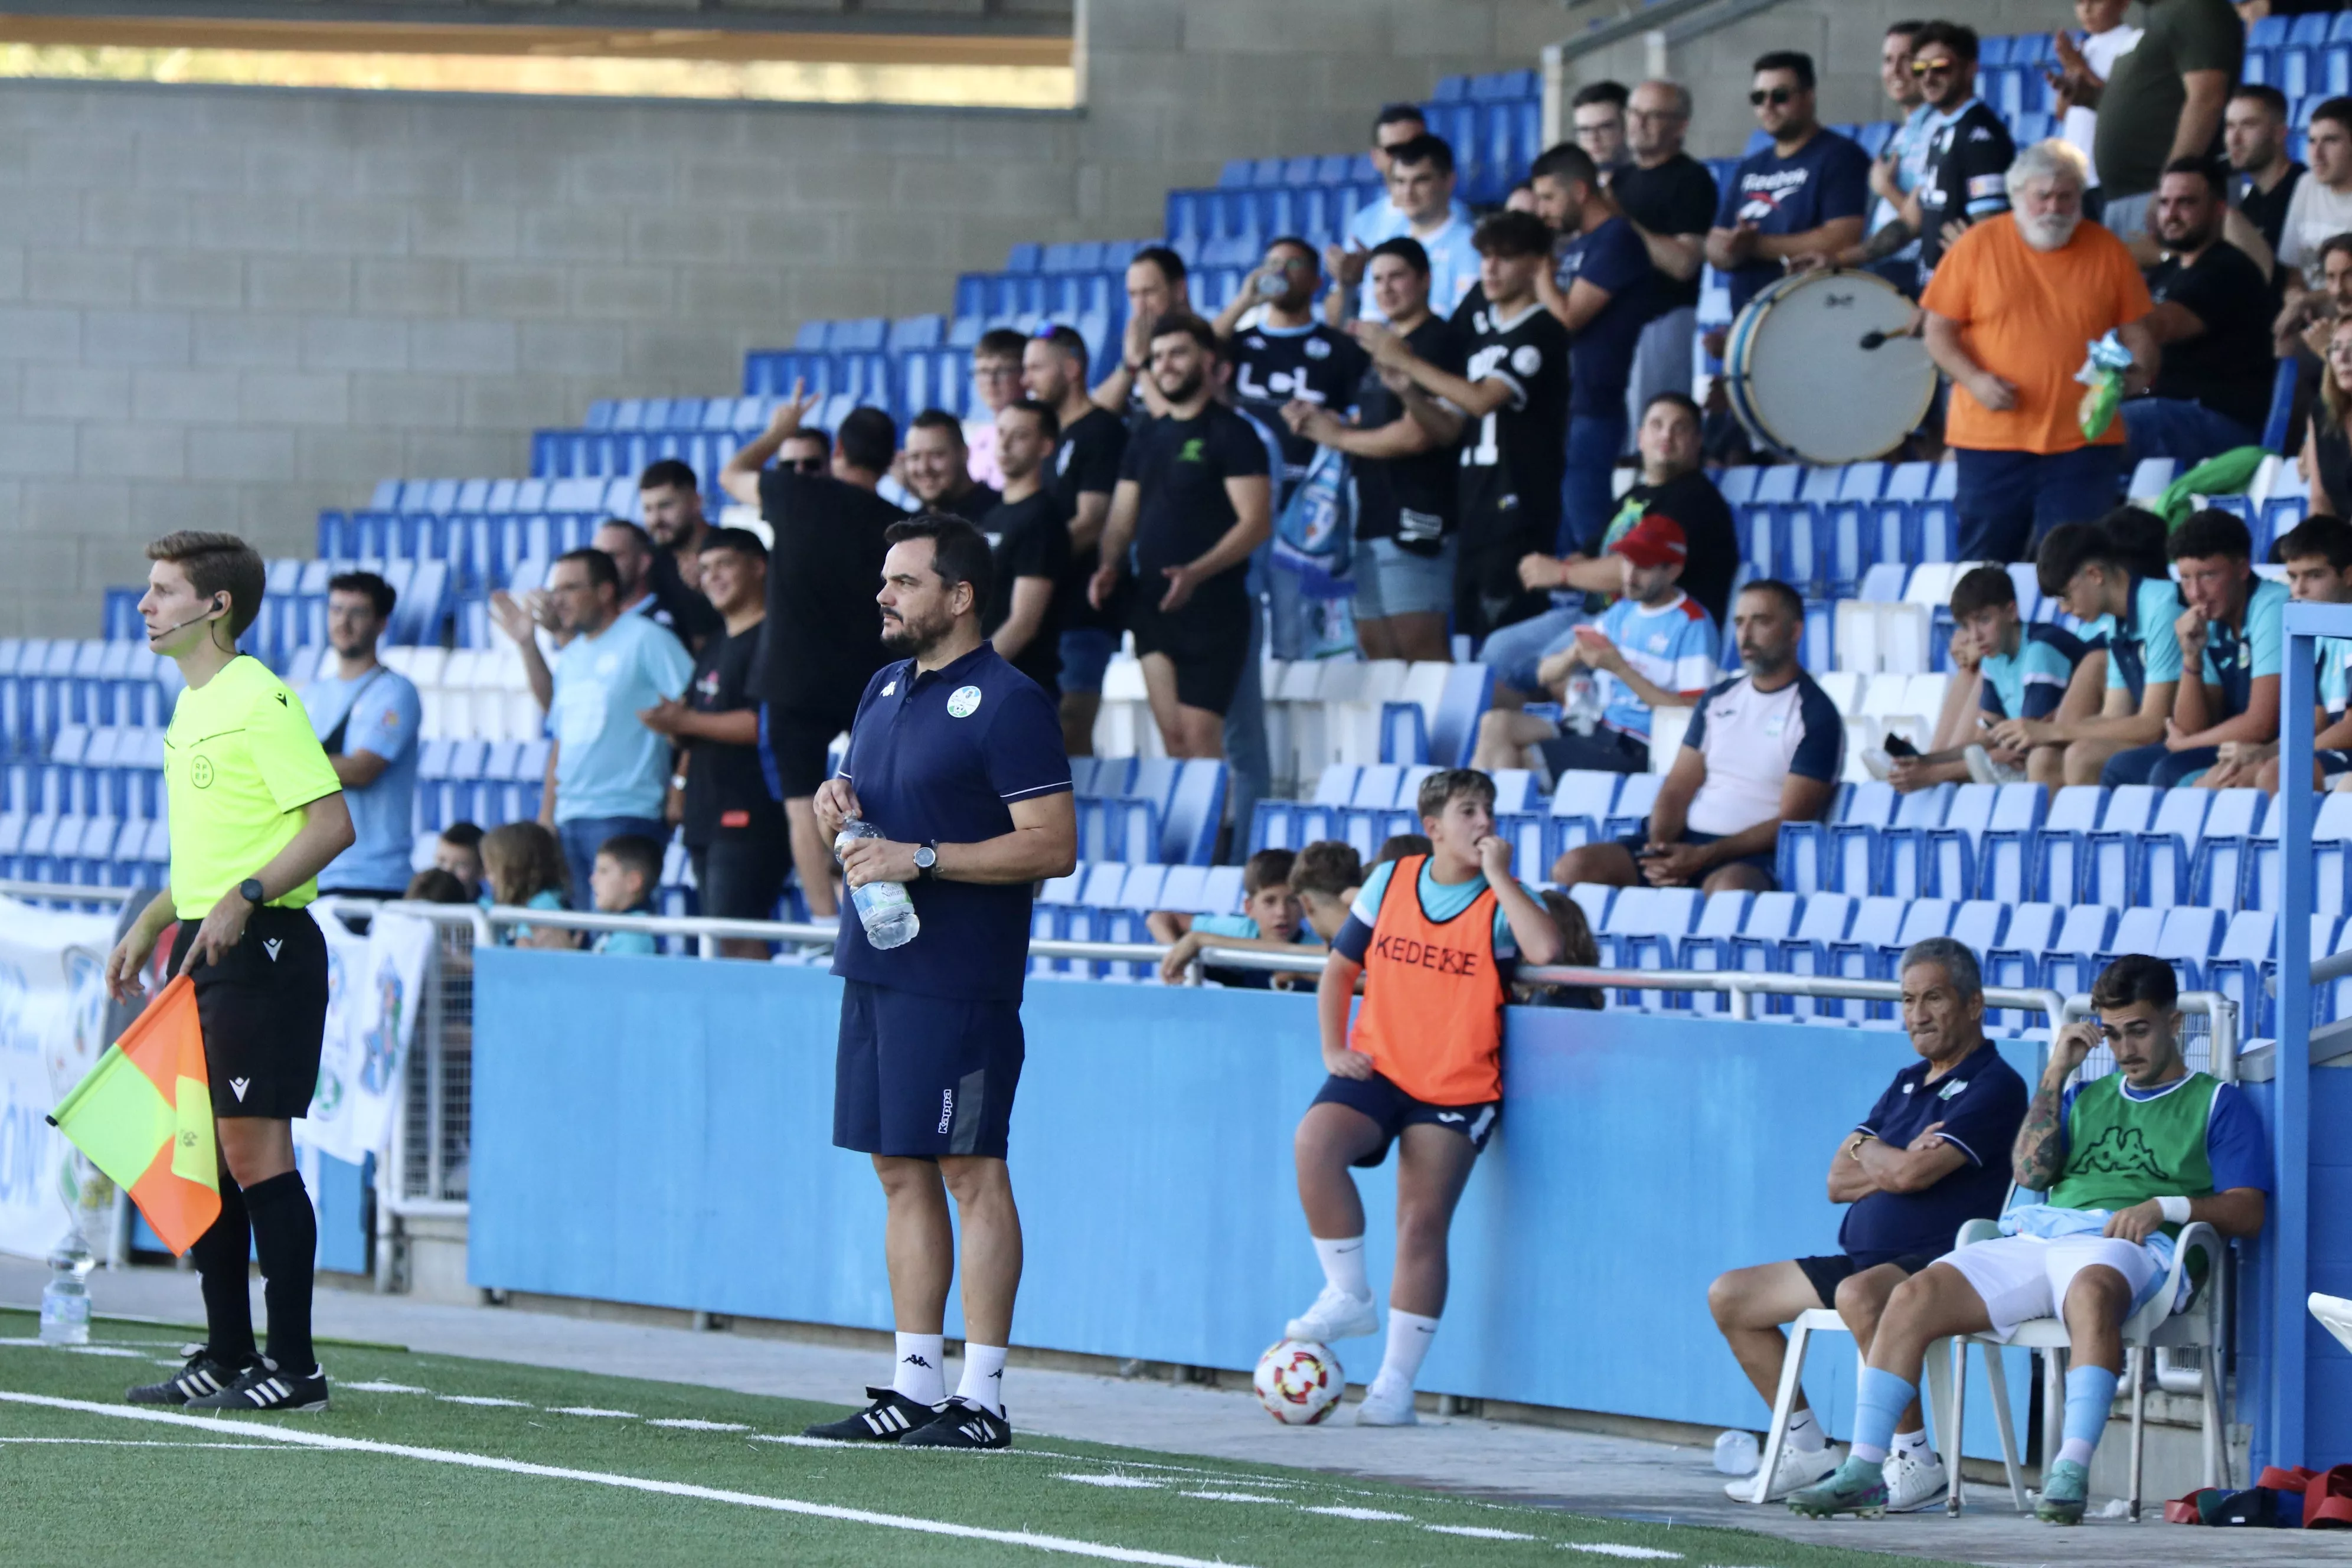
[1805,194]
[1969,153]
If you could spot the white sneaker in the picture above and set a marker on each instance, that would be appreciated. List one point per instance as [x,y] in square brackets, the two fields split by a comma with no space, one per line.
[1914,1480]
[1336,1315]
[1387,1405]
[1796,1468]
[1876,763]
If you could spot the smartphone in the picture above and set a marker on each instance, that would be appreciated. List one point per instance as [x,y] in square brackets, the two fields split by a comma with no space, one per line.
[1897,746]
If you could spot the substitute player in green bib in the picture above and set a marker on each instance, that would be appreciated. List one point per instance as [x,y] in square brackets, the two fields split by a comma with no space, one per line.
[255,813]
[2123,1161]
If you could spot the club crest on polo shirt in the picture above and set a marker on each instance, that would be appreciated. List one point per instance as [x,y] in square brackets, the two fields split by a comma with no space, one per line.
[963,701]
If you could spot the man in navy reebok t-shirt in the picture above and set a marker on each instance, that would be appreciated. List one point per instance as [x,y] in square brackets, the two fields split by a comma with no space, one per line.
[1605,291]
[1807,192]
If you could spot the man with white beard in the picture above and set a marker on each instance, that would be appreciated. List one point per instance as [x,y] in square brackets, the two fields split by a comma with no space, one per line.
[2012,308]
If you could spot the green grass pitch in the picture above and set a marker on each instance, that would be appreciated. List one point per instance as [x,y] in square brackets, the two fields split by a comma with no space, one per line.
[457,1461]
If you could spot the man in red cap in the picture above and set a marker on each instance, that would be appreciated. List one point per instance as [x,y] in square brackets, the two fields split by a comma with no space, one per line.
[1654,646]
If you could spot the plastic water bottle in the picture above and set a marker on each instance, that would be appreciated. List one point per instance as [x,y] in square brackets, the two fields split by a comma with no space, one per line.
[1735,1453]
[883,908]
[1584,706]
[65,1302]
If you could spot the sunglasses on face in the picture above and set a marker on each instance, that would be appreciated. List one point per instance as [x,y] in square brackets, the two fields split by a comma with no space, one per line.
[1934,68]
[805,466]
[1778,95]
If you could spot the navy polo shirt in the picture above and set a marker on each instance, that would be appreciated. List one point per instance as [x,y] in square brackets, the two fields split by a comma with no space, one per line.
[941,755]
[1980,1103]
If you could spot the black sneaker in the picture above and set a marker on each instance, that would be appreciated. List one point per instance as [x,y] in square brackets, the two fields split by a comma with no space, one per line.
[890,1417]
[205,1375]
[961,1424]
[264,1387]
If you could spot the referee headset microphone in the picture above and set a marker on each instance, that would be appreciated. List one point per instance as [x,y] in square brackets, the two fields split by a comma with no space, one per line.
[214,608]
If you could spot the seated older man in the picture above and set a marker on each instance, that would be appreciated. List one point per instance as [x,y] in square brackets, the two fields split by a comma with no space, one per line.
[1932,1154]
[2124,1161]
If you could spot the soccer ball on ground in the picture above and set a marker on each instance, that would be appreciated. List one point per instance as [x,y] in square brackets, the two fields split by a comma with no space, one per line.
[1299,1382]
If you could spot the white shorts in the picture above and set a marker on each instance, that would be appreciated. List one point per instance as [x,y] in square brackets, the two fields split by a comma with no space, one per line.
[2019,1278]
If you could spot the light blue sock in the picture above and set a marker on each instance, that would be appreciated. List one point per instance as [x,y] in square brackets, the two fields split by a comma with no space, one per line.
[1879,1402]
[2090,1395]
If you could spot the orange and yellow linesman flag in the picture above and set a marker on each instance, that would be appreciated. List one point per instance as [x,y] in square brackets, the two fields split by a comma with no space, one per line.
[144,1116]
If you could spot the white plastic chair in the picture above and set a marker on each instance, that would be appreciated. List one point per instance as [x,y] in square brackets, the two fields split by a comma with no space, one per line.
[1824,1319]
[2155,1326]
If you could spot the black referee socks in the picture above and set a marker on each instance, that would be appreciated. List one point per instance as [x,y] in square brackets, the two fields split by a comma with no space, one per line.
[220,1256]
[285,1235]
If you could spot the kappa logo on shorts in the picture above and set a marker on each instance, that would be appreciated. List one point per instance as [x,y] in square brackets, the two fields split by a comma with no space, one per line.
[947,1108]
[238,1084]
[271,947]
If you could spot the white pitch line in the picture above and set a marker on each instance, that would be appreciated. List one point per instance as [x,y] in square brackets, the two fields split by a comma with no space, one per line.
[1479,1532]
[1612,1548]
[143,1443]
[690,1423]
[1056,1543]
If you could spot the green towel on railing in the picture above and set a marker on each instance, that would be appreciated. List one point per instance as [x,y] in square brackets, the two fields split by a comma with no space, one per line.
[2226,475]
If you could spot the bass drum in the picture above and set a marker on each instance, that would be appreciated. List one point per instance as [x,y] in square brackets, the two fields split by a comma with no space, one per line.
[1814,371]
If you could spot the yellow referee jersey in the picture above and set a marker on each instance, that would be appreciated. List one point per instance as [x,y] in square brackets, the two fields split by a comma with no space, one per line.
[240,763]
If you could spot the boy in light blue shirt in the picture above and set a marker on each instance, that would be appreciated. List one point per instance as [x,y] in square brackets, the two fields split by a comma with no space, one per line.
[1270,917]
[2317,555]
[628,868]
[2230,631]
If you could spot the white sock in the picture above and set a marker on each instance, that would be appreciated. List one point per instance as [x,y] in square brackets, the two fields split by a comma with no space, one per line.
[1409,1337]
[2077,1450]
[983,1377]
[1912,1443]
[1805,1434]
[921,1374]
[1343,1264]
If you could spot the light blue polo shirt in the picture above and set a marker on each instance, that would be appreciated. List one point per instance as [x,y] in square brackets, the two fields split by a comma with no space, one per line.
[607,762]
[2031,682]
[383,713]
[2146,649]
[2235,658]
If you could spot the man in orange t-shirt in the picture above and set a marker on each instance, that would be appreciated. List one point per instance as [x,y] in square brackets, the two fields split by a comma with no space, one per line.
[2011,312]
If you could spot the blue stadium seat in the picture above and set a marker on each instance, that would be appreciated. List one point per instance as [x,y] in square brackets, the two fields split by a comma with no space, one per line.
[1823,921]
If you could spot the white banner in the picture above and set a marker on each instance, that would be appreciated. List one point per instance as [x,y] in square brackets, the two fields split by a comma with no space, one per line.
[52,1028]
[52,1032]
[374,985]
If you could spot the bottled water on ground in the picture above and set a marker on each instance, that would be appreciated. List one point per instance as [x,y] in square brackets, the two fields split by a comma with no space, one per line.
[1735,1453]
[65,1302]
[883,908]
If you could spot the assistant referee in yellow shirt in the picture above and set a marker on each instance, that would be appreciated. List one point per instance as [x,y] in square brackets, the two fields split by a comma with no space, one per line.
[257,813]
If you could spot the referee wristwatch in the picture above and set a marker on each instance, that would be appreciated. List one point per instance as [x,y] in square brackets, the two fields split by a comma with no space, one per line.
[253,893]
[927,860]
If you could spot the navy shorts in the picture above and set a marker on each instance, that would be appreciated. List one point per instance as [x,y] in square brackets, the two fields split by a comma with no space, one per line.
[1826,1274]
[2332,762]
[1634,845]
[1395,1110]
[919,1077]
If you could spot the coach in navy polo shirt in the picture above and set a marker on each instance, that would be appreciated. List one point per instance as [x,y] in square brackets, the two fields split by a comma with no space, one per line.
[1932,1154]
[956,757]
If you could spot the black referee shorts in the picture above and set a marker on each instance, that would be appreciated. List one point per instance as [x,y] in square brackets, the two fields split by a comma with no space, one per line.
[264,1012]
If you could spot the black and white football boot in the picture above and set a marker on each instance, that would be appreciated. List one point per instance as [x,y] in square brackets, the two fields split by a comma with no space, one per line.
[205,1375]
[961,1424]
[890,1417]
[265,1387]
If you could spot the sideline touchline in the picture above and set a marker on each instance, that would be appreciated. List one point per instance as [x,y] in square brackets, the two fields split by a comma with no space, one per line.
[629,1483]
